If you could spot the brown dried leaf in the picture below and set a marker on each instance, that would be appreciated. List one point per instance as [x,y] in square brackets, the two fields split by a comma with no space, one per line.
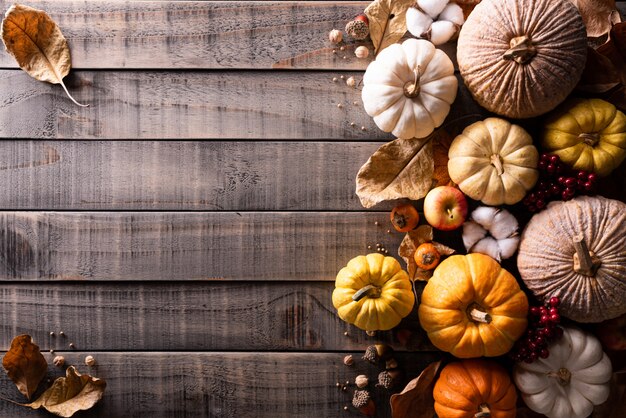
[416,400]
[412,240]
[598,15]
[443,249]
[25,364]
[37,44]
[70,394]
[467,6]
[600,74]
[441,146]
[402,168]
[387,20]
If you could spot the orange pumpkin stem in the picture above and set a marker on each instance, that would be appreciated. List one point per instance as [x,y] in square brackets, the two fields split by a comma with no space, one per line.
[522,50]
[496,161]
[370,291]
[412,89]
[563,376]
[584,260]
[479,315]
[483,411]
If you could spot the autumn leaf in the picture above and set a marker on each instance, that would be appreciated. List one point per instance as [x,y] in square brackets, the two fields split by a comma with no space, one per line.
[441,146]
[412,240]
[70,394]
[387,20]
[402,168]
[37,44]
[467,6]
[416,400]
[25,364]
[598,15]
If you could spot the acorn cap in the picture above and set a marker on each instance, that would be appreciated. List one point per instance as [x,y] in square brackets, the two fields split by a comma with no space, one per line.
[358,29]
[371,354]
[360,398]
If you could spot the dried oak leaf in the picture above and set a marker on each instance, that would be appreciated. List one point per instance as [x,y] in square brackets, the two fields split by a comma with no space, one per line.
[37,44]
[387,21]
[467,6]
[70,394]
[416,400]
[598,15]
[441,146]
[412,240]
[25,364]
[402,168]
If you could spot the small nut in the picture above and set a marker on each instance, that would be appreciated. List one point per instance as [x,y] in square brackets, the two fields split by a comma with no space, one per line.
[90,361]
[348,360]
[361,381]
[335,36]
[362,52]
[351,82]
[59,361]
[371,333]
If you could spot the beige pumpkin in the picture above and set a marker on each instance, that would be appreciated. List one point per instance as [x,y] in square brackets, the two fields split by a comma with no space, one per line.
[521,59]
[494,161]
[576,250]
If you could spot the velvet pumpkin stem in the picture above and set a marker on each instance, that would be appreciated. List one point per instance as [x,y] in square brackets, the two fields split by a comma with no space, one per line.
[483,411]
[370,291]
[584,262]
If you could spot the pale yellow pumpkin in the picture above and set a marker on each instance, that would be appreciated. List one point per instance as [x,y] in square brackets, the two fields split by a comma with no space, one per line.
[494,161]
[373,292]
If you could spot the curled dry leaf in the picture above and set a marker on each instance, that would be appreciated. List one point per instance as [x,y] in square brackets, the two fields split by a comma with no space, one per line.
[25,364]
[37,44]
[402,168]
[416,400]
[387,20]
[441,146]
[70,394]
[412,240]
[598,15]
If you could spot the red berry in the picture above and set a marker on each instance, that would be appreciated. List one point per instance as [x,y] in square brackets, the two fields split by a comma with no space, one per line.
[554,301]
[540,204]
[582,175]
[535,311]
[544,353]
[551,168]
[541,195]
[588,186]
[555,190]
[554,311]
[556,318]
[548,333]
[543,310]
[542,165]
[539,340]
[545,156]
[544,319]
[570,182]
[592,177]
[554,159]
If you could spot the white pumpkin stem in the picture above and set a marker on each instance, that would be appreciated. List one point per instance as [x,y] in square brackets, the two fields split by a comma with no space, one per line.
[479,315]
[590,139]
[496,161]
[584,261]
[370,291]
[521,50]
[483,411]
[563,376]
[412,89]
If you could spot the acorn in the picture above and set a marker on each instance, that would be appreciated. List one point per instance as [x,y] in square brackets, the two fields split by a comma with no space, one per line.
[358,28]
[384,351]
[362,401]
[361,381]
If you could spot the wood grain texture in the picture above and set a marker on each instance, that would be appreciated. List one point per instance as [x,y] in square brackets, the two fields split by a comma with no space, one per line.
[204,34]
[262,316]
[181,175]
[223,385]
[194,105]
[186,246]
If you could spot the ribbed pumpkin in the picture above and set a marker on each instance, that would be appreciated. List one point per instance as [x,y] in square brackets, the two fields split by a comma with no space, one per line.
[373,292]
[587,134]
[576,250]
[472,307]
[494,161]
[521,59]
[475,388]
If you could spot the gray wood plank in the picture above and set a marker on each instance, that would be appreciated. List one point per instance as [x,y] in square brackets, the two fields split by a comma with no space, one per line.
[193,105]
[261,316]
[224,385]
[204,34]
[186,246]
[163,175]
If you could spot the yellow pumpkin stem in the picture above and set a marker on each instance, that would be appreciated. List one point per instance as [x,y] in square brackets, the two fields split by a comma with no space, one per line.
[412,89]
[370,291]
[585,262]
[483,411]
[563,376]
[521,50]
[496,161]
[590,139]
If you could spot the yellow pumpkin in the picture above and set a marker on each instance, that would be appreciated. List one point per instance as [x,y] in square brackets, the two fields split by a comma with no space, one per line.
[373,292]
[472,307]
[587,134]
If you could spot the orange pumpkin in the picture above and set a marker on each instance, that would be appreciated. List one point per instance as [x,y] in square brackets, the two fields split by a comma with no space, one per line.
[472,307]
[474,388]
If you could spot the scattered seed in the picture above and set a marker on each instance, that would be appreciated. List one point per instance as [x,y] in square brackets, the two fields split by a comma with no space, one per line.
[375,222]
[344,57]
[334,51]
[61,333]
[339,105]
[352,124]
[71,345]
[371,333]
[389,231]
[363,128]
[334,79]
[344,388]
[345,333]
[342,48]
[342,77]
[338,384]
[369,247]
[51,351]
[345,408]
[52,333]
[355,103]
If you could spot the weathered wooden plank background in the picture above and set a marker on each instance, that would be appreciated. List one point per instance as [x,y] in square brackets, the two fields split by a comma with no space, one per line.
[185,229]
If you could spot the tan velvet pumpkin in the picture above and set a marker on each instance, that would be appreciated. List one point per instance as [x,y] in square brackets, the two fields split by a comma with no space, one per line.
[521,59]
[576,250]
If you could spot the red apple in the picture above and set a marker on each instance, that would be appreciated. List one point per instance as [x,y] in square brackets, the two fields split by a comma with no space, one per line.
[445,208]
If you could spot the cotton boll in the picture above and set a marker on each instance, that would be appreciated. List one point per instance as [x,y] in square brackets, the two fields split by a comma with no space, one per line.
[452,13]
[441,32]
[472,233]
[432,7]
[488,246]
[484,215]
[417,22]
[504,225]
[508,246]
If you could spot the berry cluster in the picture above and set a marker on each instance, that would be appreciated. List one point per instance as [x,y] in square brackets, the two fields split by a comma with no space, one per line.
[542,329]
[557,181]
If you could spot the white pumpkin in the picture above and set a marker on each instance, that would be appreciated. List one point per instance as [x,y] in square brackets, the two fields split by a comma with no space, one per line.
[409,88]
[568,383]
